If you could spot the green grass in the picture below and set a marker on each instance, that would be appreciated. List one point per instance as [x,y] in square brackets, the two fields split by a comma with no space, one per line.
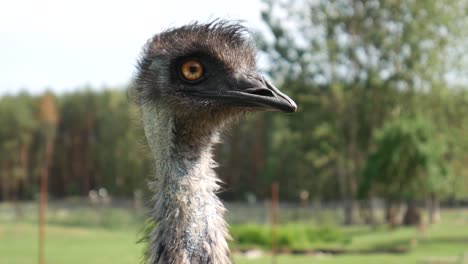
[92,240]
[68,245]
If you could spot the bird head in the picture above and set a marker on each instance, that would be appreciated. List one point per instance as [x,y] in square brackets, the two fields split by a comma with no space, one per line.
[206,68]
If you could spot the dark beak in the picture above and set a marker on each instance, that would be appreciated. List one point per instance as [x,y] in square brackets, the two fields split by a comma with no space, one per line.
[254,92]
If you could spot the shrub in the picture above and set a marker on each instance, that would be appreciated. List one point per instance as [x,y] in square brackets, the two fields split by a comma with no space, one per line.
[293,236]
[251,234]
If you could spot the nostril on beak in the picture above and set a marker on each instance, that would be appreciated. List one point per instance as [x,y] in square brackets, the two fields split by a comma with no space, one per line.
[260,91]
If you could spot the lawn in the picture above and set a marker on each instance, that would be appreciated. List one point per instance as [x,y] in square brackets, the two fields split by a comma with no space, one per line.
[446,242]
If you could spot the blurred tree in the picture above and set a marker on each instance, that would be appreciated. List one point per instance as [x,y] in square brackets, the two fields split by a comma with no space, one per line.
[74,166]
[351,65]
[447,109]
[359,60]
[122,162]
[408,163]
[98,145]
[18,124]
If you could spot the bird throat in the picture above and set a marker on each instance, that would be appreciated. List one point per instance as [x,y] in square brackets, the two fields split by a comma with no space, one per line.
[188,214]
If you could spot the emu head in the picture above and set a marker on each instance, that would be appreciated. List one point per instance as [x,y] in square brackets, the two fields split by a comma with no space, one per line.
[205,72]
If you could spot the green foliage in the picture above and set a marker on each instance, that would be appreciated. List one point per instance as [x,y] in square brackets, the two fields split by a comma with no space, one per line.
[18,127]
[351,65]
[408,162]
[447,113]
[251,234]
[290,236]
[97,144]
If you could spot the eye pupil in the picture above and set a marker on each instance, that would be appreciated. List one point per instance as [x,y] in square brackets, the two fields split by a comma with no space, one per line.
[193,68]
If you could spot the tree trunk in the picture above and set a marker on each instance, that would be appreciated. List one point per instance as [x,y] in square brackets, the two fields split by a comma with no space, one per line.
[369,212]
[372,210]
[24,161]
[348,201]
[340,173]
[5,183]
[15,198]
[235,161]
[350,209]
[258,155]
[433,209]
[391,214]
[412,215]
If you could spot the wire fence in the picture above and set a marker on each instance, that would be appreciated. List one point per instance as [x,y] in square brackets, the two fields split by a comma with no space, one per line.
[112,211]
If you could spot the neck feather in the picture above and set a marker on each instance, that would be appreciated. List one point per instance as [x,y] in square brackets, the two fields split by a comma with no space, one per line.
[189,216]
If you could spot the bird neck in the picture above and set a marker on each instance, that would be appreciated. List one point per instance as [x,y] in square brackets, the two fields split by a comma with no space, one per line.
[189,216]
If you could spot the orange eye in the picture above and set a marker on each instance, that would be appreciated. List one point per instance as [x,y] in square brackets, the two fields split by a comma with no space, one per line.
[192,70]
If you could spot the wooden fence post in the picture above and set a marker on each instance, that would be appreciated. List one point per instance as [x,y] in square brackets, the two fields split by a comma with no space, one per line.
[274,218]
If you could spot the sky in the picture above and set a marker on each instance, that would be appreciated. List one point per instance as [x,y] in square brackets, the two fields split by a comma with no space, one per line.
[64,45]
